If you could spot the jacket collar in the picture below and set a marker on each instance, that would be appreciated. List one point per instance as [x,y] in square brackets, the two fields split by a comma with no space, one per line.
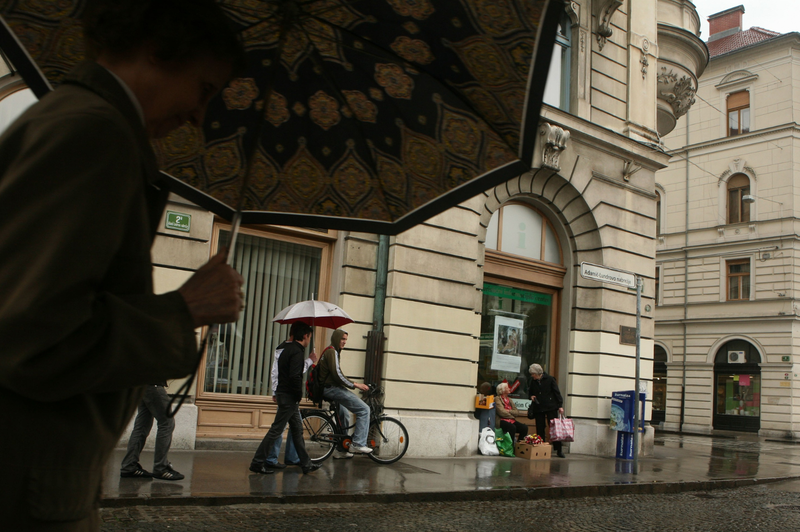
[97,79]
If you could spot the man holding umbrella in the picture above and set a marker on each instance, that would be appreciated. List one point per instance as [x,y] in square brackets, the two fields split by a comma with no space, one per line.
[288,394]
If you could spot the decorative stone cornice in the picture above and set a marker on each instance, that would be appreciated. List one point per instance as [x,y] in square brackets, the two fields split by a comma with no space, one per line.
[555,141]
[604,10]
[573,10]
[679,93]
[737,166]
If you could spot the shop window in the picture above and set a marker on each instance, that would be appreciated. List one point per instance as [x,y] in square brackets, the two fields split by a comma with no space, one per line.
[277,273]
[738,209]
[737,381]
[522,230]
[556,90]
[738,113]
[516,331]
[738,276]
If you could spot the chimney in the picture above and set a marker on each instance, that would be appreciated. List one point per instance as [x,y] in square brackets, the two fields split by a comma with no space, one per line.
[725,23]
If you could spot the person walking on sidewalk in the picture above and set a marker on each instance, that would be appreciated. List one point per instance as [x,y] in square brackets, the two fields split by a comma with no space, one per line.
[546,402]
[154,405]
[337,386]
[290,456]
[288,393]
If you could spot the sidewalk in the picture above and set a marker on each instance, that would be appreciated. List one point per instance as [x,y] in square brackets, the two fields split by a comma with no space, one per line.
[680,463]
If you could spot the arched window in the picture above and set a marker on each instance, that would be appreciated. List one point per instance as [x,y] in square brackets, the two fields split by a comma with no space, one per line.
[524,231]
[737,378]
[658,213]
[738,209]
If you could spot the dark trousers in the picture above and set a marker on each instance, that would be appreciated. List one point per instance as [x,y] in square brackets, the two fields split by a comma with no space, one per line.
[153,406]
[288,412]
[520,429]
[540,425]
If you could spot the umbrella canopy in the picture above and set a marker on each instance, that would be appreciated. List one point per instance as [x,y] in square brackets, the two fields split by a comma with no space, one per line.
[315,313]
[361,115]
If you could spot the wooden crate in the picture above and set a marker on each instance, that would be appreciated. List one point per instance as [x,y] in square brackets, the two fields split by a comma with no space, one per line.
[533,452]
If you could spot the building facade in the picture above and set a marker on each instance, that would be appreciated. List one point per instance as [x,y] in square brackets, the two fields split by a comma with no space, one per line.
[726,319]
[478,293]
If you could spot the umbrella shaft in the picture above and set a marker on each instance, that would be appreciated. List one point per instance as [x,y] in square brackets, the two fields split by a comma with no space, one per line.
[235,225]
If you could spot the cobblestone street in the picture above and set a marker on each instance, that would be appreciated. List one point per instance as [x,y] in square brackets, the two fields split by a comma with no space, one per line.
[770,507]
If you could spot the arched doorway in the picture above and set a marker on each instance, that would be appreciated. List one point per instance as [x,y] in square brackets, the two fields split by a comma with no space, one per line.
[737,382]
[659,385]
[523,279]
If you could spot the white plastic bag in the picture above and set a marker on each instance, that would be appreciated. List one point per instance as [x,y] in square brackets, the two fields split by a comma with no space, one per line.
[486,444]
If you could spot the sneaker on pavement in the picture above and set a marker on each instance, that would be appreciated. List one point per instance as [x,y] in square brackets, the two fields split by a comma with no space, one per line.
[342,456]
[261,469]
[361,449]
[139,472]
[311,468]
[168,474]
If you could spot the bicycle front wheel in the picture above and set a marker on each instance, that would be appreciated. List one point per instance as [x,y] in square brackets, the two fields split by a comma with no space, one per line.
[318,437]
[388,439]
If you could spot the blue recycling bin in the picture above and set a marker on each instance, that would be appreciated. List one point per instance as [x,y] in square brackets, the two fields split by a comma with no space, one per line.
[625,445]
[622,411]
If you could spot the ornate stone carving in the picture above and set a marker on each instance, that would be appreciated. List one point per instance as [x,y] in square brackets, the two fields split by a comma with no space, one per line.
[604,10]
[555,141]
[645,63]
[573,11]
[679,93]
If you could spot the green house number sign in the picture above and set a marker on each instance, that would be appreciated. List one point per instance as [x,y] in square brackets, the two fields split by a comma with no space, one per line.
[179,221]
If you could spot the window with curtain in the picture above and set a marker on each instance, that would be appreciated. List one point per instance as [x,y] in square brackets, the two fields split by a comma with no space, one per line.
[556,90]
[738,113]
[738,209]
[738,279]
[277,274]
[524,231]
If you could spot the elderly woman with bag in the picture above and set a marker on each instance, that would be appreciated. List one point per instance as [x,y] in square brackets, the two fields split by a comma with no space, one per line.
[546,402]
[507,414]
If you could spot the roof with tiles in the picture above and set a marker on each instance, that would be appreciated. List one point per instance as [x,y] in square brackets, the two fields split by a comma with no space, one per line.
[739,40]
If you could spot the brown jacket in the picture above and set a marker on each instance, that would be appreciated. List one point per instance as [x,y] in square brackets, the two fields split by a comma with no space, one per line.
[502,413]
[80,325]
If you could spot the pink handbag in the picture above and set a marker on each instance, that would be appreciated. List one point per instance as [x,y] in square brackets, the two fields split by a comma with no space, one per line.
[562,429]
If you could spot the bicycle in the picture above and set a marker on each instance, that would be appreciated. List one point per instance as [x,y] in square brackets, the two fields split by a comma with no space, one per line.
[324,432]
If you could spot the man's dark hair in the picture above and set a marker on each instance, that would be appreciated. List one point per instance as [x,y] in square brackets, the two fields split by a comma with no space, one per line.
[299,330]
[180,30]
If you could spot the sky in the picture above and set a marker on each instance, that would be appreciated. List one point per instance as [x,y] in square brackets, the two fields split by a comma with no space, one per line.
[777,15]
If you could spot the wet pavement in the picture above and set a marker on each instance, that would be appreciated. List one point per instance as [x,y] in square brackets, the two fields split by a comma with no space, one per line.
[680,463]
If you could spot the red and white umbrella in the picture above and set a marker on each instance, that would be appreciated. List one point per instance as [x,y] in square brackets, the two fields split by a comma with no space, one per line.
[314,313]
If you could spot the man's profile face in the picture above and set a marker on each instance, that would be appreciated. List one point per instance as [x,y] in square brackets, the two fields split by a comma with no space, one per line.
[342,342]
[306,340]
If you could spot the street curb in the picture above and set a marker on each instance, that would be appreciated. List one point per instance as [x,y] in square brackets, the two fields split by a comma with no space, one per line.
[505,494]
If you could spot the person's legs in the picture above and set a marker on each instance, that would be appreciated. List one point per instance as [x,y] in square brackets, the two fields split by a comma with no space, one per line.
[275,450]
[156,401]
[281,418]
[522,430]
[141,429]
[290,456]
[509,428]
[296,434]
[357,407]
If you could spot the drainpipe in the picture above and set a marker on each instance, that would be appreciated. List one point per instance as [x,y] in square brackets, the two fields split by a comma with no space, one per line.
[685,285]
[373,361]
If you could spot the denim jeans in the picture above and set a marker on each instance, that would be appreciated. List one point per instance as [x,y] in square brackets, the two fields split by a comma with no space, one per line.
[290,456]
[288,413]
[355,405]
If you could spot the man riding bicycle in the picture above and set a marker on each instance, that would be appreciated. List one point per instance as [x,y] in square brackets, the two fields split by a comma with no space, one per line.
[337,386]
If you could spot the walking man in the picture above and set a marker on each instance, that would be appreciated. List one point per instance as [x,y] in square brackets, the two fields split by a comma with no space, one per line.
[337,388]
[153,405]
[288,394]
[290,456]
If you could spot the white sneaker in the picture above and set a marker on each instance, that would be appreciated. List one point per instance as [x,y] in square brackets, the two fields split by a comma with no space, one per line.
[342,456]
[360,449]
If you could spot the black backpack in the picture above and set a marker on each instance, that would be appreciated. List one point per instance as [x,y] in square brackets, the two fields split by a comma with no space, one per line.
[314,386]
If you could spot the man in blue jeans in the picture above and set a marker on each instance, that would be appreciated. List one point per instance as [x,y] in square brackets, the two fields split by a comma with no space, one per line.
[337,388]
[290,457]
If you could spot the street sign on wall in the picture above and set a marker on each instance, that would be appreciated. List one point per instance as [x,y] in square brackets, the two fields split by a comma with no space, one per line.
[596,272]
[178,221]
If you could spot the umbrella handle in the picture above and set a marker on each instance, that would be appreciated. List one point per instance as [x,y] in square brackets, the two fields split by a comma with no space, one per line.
[235,225]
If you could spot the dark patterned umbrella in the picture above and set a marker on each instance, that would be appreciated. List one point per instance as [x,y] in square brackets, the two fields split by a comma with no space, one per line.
[353,114]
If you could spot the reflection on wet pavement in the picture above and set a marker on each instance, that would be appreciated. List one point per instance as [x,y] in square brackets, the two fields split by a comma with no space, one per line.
[676,459]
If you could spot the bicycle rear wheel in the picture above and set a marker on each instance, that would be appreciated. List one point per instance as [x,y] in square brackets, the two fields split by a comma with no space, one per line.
[388,439]
[318,437]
